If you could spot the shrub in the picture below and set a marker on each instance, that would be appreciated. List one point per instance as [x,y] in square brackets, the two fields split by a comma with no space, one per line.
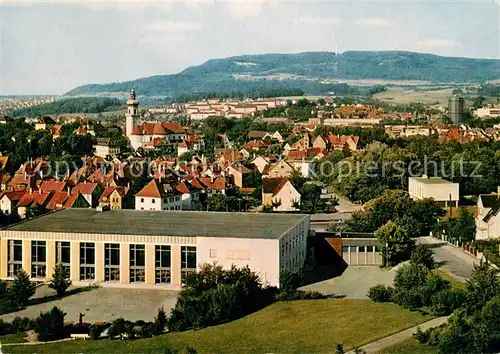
[95,331]
[289,282]
[50,325]
[5,327]
[300,295]
[21,290]
[147,330]
[421,336]
[80,328]
[446,301]
[433,285]
[160,321]
[60,281]
[117,328]
[423,255]
[21,324]
[215,295]
[339,349]
[410,276]
[380,293]
[408,298]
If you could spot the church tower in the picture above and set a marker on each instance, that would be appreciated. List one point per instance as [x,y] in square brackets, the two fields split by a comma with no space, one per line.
[132,115]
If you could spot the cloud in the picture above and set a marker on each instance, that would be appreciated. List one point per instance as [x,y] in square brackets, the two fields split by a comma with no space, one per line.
[319,20]
[97,5]
[434,43]
[174,26]
[374,22]
[242,10]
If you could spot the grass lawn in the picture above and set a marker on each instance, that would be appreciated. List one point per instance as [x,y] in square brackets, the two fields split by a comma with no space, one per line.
[447,276]
[411,346]
[13,338]
[310,326]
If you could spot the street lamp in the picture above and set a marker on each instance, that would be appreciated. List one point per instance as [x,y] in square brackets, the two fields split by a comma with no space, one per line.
[387,253]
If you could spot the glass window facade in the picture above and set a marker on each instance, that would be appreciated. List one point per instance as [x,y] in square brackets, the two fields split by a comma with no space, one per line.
[188,261]
[63,254]
[112,262]
[15,257]
[137,263]
[87,261]
[163,271]
[38,259]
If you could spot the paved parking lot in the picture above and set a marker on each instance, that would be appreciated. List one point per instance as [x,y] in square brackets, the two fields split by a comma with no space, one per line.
[105,304]
[355,282]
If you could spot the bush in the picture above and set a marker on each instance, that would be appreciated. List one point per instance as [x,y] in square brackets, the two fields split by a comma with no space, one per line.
[5,327]
[408,298]
[446,301]
[300,295]
[215,295]
[380,293]
[60,281]
[95,331]
[117,328]
[147,330]
[421,336]
[21,324]
[423,255]
[160,321]
[410,276]
[21,290]
[433,285]
[50,325]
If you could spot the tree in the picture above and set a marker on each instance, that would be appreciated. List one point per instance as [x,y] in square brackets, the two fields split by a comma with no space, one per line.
[160,321]
[483,285]
[60,280]
[217,202]
[396,243]
[50,325]
[22,289]
[423,255]
[462,229]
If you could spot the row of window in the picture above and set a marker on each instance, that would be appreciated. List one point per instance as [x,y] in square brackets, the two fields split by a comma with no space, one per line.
[166,200]
[360,249]
[137,262]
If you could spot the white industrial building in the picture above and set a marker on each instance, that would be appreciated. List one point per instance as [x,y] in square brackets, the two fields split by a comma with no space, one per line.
[152,249]
[444,192]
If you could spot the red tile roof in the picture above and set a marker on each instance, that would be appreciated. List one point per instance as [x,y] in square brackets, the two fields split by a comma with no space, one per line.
[152,190]
[84,188]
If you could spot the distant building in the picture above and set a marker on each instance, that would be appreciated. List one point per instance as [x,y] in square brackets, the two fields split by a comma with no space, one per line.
[444,192]
[456,109]
[487,112]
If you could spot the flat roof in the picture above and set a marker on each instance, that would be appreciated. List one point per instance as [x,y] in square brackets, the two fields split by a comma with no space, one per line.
[432,180]
[163,223]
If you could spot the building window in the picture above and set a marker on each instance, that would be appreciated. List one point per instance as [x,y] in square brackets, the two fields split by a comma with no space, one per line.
[213,253]
[87,261]
[38,259]
[188,261]
[137,263]
[142,200]
[15,257]
[163,273]
[63,254]
[153,201]
[111,262]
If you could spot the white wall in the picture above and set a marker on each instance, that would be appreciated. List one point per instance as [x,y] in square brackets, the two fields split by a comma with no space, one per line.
[143,203]
[262,255]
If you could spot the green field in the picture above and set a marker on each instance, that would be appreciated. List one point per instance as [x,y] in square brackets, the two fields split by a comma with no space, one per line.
[411,346]
[311,326]
[399,95]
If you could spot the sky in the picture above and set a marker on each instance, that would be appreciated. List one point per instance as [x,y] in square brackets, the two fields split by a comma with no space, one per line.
[50,47]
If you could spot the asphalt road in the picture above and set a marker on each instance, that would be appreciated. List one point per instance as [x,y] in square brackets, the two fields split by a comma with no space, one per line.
[452,259]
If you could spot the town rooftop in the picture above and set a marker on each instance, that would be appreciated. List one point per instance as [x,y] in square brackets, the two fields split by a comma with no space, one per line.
[163,223]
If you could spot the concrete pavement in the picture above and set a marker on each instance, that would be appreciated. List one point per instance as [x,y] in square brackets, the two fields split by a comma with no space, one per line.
[392,340]
[354,283]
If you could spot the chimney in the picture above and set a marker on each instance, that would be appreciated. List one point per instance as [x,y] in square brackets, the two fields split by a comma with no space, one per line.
[40,191]
[68,192]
